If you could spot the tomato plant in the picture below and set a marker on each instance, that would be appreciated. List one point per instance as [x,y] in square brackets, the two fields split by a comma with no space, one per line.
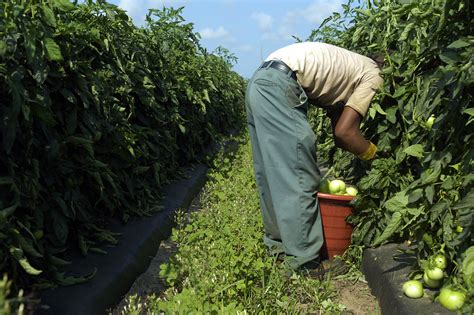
[98,114]
[420,188]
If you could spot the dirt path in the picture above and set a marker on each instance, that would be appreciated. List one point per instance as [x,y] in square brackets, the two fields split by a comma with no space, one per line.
[149,282]
[356,296]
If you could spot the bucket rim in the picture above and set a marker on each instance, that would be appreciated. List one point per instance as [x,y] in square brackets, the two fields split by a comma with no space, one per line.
[334,197]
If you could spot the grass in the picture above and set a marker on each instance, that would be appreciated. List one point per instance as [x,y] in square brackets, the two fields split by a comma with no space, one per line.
[222,266]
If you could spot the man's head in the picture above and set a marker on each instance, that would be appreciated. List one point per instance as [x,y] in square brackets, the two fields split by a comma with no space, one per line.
[379,57]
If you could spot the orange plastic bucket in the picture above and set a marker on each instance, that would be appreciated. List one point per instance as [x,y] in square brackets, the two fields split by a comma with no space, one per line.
[337,232]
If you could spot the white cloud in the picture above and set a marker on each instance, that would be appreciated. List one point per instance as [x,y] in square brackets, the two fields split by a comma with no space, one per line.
[317,11]
[211,33]
[264,21]
[311,15]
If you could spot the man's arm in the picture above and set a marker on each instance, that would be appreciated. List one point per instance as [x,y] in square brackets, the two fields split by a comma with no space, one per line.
[347,135]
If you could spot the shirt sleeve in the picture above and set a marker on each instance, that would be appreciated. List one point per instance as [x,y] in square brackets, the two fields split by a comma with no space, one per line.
[362,96]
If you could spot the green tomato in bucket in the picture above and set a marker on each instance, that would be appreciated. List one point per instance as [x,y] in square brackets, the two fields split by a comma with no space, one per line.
[324,186]
[351,191]
[337,187]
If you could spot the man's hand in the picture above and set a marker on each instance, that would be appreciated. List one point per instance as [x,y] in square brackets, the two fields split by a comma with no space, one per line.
[369,154]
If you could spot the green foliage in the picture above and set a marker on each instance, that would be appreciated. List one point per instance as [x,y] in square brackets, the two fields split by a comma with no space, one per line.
[10,305]
[222,265]
[422,188]
[467,268]
[97,114]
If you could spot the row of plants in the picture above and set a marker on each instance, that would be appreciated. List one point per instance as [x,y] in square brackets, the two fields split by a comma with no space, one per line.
[221,265]
[97,114]
[420,188]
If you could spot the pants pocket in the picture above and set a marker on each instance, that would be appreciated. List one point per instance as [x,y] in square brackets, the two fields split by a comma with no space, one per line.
[295,94]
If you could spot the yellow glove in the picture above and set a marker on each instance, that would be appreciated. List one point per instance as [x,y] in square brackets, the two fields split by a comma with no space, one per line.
[369,154]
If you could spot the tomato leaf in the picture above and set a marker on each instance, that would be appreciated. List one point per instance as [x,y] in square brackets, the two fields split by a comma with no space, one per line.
[8,211]
[48,15]
[53,50]
[391,114]
[429,193]
[379,109]
[67,281]
[391,228]
[415,195]
[466,202]
[447,227]
[459,44]
[397,202]
[468,268]
[450,57]
[437,209]
[469,111]
[415,150]
[430,175]
[18,254]
[64,4]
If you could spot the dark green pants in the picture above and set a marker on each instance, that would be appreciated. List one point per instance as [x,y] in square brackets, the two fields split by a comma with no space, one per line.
[286,171]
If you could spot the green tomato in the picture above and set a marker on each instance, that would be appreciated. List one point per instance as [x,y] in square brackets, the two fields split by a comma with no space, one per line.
[430,283]
[352,191]
[451,300]
[413,289]
[435,273]
[324,186]
[337,187]
[440,261]
[459,229]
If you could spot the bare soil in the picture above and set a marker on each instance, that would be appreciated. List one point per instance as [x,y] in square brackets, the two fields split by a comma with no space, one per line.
[356,296]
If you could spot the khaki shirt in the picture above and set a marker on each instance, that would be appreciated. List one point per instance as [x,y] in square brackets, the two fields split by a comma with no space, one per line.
[330,74]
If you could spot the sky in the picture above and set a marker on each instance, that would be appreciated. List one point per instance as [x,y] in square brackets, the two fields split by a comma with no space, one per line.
[250,29]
